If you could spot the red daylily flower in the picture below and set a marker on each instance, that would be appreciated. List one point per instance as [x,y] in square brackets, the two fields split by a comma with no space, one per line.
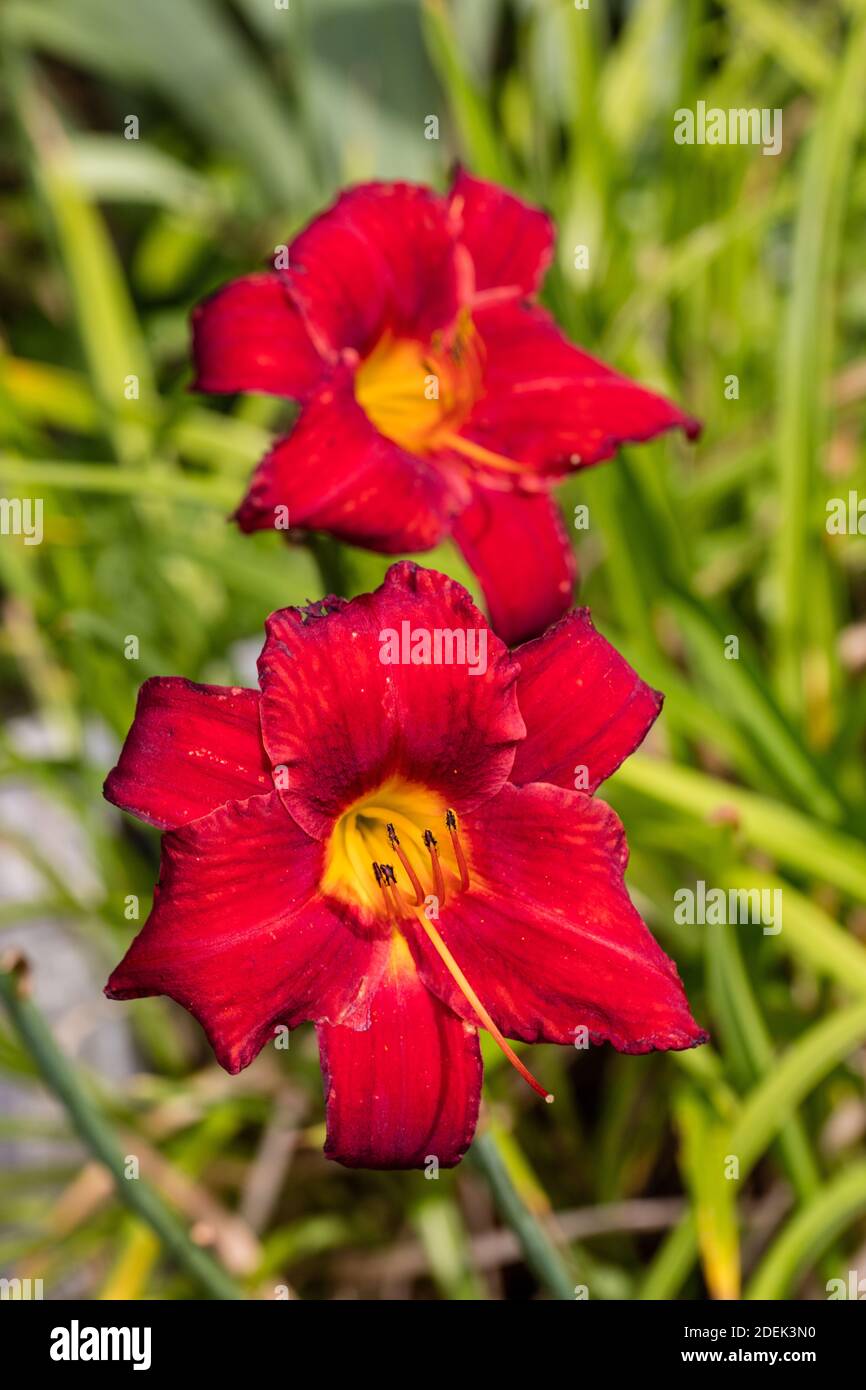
[397,853]
[436,397]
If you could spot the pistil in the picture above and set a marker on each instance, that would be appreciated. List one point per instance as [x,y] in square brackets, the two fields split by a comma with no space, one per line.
[394,904]
[472,998]
[478,454]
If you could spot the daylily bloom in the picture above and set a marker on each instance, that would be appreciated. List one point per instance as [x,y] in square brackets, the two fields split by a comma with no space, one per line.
[436,397]
[395,850]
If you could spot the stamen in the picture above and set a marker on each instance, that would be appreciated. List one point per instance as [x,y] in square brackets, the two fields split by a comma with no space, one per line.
[438,880]
[381,880]
[451,822]
[394,891]
[401,855]
[469,994]
[479,454]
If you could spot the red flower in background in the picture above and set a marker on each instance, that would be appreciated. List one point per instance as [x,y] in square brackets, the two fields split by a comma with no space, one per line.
[436,397]
[316,829]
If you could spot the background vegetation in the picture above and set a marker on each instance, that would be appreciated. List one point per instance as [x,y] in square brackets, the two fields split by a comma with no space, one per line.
[705,262]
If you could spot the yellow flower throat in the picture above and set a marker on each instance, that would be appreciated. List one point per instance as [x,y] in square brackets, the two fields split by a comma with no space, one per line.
[383,857]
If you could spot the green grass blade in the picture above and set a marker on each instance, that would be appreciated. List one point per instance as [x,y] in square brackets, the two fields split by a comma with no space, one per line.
[809,1233]
[793,839]
[806,352]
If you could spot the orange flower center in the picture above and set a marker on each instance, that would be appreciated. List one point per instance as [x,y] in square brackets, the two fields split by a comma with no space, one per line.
[384,857]
[420,396]
[365,834]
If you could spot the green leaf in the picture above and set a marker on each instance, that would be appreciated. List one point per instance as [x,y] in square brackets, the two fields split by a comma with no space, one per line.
[764,1112]
[703,1159]
[189,52]
[809,1233]
[483,146]
[803,845]
[806,351]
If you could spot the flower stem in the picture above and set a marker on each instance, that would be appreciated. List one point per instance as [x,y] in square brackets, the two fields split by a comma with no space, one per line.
[542,1256]
[96,1133]
[332,563]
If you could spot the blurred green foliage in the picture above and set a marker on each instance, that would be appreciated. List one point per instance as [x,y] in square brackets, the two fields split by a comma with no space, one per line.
[705,263]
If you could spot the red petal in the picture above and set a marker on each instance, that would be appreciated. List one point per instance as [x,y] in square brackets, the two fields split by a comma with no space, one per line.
[191,749]
[516,544]
[336,473]
[240,936]
[584,706]
[341,722]
[383,257]
[547,934]
[511,243]
[407,1089]
[250,337]
[551,406]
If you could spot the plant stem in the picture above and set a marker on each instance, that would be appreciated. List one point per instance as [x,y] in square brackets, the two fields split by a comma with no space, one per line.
[541,1254]
[330,558]
[60,1077]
